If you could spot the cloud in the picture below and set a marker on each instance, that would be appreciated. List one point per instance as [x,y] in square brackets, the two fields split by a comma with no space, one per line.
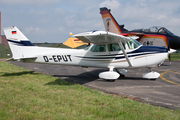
[59,11]
[142,3]
[29,2]
[52,20]
[33,30]
[61,29]
[70,20]
[113,4]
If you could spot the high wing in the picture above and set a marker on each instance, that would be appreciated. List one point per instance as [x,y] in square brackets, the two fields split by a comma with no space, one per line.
[100,37]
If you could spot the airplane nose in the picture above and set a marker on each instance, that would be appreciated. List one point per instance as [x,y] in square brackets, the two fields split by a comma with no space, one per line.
[174,42]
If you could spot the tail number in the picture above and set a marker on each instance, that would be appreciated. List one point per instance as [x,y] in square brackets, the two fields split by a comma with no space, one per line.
[58,58]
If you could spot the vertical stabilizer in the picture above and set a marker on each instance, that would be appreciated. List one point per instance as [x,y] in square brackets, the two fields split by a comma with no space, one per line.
[110,23]
[16,39]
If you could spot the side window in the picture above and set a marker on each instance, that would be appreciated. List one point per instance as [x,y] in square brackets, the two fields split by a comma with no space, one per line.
[98,48]
[115,47]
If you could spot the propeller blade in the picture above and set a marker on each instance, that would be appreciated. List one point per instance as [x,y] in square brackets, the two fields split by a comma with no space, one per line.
[169,57]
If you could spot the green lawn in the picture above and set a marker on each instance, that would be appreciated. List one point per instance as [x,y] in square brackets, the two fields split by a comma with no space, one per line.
[175,56]
[25,94]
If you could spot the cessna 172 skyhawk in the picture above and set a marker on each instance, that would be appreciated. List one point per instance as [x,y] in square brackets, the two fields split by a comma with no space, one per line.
[109,50]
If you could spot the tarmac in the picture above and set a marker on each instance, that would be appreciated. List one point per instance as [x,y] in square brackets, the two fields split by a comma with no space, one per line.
[164,91]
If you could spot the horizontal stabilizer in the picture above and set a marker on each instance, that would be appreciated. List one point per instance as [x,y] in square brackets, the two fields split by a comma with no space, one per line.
[28,58]
[25,58]
[11,59]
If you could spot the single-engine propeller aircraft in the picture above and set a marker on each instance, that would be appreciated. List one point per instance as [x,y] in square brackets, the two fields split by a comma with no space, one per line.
[109,50]
[154,36]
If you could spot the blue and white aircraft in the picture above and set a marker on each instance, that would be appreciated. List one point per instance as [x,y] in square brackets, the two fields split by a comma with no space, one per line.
[108,50]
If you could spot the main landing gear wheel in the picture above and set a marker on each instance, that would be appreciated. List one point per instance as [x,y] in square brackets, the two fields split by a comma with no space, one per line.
[111,80]
[110,75]
[122,76]
[150,75]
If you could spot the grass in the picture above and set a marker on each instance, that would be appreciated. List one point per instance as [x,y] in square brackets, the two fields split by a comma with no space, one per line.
[175,56]
[25,94]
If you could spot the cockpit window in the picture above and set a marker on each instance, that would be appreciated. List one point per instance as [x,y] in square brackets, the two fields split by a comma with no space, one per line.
[114,47]
[98,48]
[154,29]
[132,44]
[161,30]
[168,32]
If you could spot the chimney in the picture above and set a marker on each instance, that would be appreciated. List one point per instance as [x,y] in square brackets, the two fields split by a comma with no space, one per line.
[0,30]
[0,23]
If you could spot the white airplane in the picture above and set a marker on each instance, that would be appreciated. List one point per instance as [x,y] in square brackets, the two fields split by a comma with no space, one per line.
[109,50]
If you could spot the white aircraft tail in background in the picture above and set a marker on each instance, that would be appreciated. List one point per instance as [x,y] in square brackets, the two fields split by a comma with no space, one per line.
[109,50]
[15,39]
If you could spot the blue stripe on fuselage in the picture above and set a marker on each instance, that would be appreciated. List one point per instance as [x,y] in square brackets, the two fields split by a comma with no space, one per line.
[21,43]
[150,49]
[144,50]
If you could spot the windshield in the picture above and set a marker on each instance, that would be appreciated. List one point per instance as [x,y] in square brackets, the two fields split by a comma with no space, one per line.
[169,32]
[154,29]
[86,48]
[132,44]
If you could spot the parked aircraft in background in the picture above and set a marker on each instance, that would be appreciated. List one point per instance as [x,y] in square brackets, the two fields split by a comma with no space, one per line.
[74,42]
[109,50]
[154,36]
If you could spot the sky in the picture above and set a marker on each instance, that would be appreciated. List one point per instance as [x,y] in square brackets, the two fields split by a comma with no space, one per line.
[52,20]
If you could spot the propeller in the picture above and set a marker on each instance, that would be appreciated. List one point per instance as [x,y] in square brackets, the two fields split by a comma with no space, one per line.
[169,57]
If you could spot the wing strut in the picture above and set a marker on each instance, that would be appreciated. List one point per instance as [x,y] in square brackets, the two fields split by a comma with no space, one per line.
[120,44]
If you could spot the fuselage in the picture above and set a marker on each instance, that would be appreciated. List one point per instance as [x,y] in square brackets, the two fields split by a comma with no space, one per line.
[108,51]
[143,56]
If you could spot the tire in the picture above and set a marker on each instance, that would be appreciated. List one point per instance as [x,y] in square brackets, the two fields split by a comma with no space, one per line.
[110,80]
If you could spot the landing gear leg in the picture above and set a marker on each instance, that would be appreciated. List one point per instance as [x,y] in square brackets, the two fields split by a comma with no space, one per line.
[150,70]
[120,71]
